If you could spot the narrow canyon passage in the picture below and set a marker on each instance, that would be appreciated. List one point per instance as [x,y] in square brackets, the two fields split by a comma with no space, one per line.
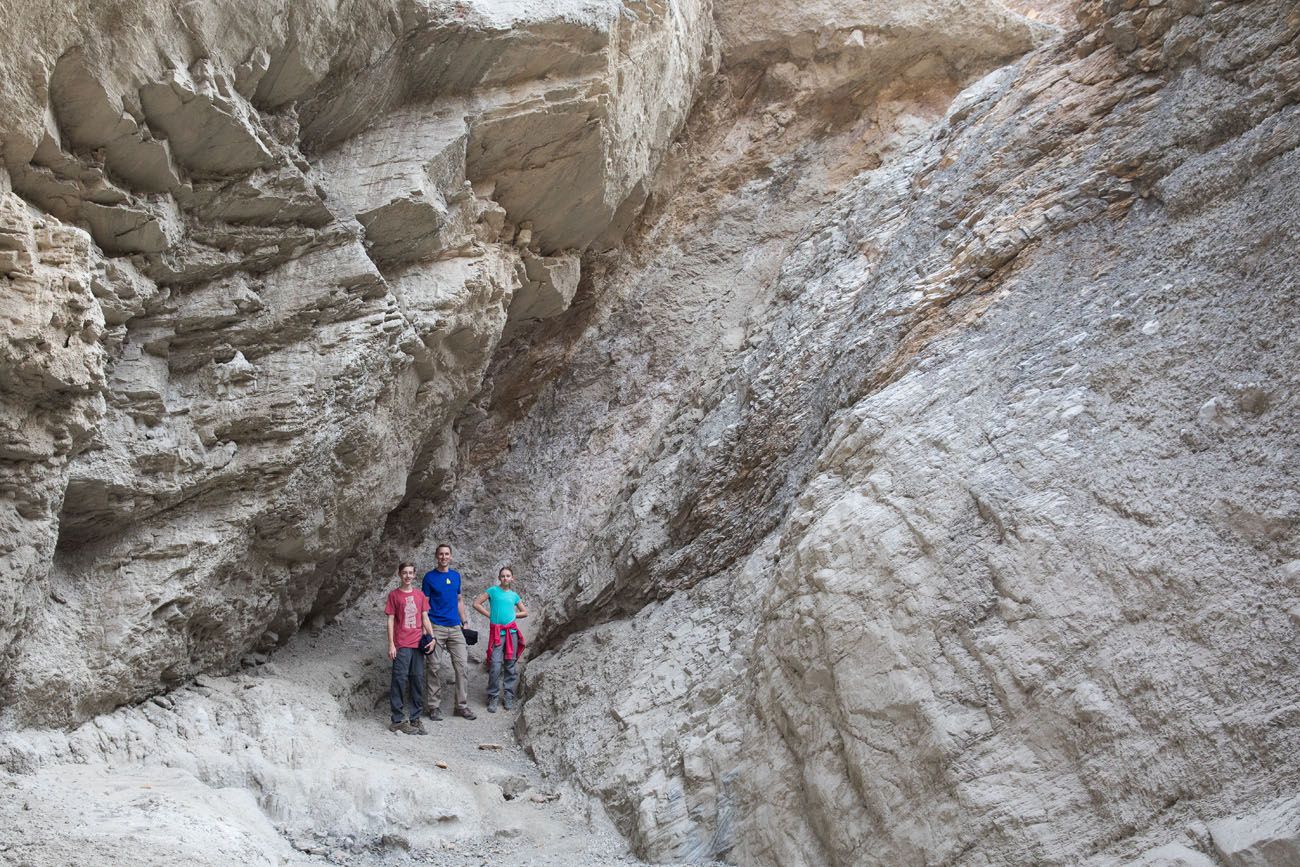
[889,409]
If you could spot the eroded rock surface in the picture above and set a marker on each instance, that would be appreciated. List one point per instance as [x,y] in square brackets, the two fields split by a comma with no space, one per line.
[889,408]
[968,549]
[253,289]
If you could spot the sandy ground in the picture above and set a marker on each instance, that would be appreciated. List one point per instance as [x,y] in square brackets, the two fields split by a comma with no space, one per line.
[291,762]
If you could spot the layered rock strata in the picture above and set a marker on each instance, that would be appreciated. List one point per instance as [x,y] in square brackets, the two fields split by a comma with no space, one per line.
[257,271]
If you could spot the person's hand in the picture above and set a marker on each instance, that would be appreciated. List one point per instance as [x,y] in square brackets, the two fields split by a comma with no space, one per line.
[392,651]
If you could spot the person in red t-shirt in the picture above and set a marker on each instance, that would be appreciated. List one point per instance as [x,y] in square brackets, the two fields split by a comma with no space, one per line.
[408,616]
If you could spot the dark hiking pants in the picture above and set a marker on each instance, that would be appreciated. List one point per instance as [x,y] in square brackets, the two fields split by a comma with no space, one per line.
[408,670]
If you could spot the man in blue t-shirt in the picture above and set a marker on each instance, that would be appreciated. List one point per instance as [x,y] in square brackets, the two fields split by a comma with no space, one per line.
[447,614]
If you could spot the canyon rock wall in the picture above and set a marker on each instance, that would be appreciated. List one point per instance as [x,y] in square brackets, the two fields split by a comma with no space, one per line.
[1040,586]
[259,257]
[977,543]
[889,408]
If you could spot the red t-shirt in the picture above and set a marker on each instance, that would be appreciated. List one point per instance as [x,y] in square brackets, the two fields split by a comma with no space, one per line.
[406,609]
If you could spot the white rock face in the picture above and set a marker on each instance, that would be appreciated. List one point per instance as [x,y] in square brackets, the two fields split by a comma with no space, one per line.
[573,154]
[1270,836]
[404,181]
[889,409]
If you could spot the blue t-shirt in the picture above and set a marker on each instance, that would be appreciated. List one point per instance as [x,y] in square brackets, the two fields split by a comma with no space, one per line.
[502,605]
[443,590]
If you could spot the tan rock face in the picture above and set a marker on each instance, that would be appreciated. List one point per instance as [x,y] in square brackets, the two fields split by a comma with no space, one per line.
[887,408]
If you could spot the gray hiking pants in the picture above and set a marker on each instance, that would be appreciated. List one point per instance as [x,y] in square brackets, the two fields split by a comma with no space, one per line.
[497,662]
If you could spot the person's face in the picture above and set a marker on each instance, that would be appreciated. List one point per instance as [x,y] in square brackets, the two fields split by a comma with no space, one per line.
[407,575]
[507,578]
[443,557]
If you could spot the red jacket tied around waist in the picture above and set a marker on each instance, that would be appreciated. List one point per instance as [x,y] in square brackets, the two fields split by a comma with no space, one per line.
[507,634]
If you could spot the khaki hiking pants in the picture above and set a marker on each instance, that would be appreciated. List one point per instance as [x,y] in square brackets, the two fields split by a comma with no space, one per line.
[448,641]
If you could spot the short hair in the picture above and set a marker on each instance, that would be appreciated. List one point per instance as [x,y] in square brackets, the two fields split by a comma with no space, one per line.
[403,565]
[504,568]
[441,545]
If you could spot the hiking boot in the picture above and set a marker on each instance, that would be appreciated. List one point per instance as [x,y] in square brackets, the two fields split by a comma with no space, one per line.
[492,706]
[400,726]
[508,703]
[435,714]
[464,711]
[416,727]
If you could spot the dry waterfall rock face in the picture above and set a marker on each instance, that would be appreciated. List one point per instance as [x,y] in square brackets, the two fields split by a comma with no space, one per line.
[889,408]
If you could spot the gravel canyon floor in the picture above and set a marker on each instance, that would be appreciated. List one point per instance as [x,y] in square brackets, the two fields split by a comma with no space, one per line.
[291,762]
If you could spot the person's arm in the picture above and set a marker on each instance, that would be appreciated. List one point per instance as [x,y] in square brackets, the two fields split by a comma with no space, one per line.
[460,607]
[392,645]
[520,610]
[428,624]
[478,605]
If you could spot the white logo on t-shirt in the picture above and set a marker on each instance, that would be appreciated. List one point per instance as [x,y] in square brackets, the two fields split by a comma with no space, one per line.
[410,613]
